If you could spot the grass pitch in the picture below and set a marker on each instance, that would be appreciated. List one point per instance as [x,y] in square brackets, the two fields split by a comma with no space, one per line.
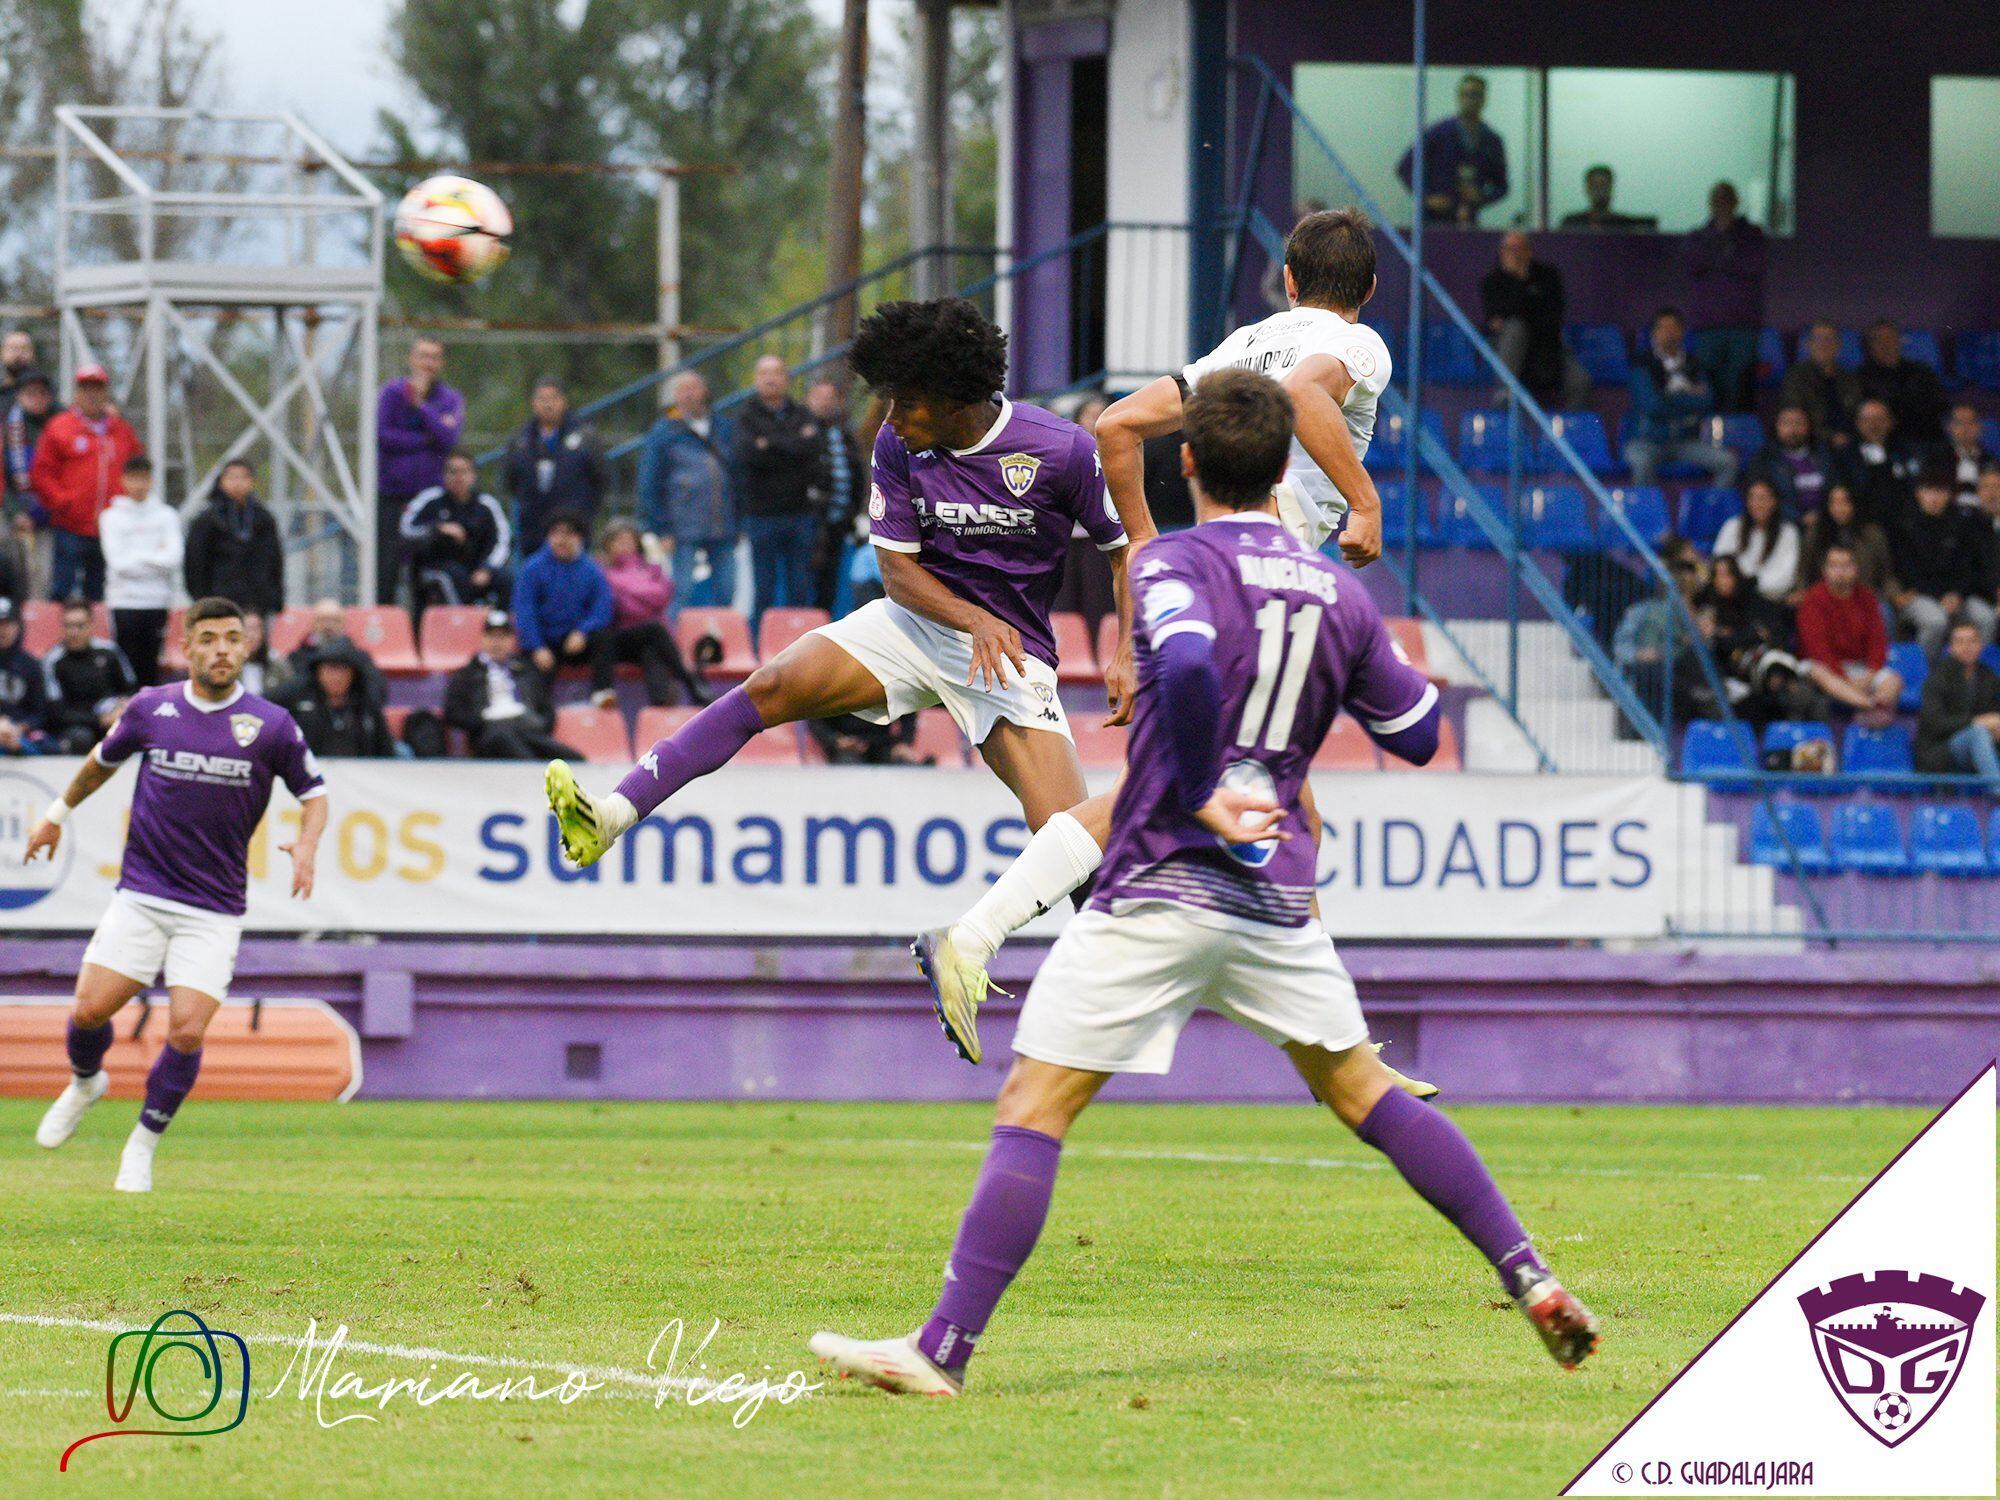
[1226,1301]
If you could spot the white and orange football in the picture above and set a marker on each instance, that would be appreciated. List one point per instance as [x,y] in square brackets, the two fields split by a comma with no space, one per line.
[453,229]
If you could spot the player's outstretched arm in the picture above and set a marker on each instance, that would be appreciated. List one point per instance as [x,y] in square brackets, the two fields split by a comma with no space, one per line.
[1154,410]
[995,643]
[1317,387]
[304,849]
[47,833]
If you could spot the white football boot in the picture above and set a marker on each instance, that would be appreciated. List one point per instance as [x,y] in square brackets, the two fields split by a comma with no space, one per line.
[135,1167]
[60,1123]
[893,1365]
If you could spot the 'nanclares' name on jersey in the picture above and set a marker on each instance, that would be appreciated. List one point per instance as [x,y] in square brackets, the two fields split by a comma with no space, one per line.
[1296,639]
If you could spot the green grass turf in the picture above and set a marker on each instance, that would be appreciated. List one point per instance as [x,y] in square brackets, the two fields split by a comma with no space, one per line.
[1296,1324]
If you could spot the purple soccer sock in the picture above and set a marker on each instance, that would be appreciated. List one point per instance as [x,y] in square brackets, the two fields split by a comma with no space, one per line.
[699,746]
[87,1046]
[995,1238]
[172,1076]
[1438,1161]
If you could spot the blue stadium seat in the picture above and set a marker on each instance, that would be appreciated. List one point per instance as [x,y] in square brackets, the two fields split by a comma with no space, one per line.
[1868,837]
[1877,752]
[1921,344]
[1989,657]
[1645,506]
[1584,431]
[1989,433]
[1456,527]
[1556,518]
[1850,346]
[1771,361]
[1788,734]
[1908,658]
[1744,433]
[1718,752]
[1979,360]
[1603,350]
[1703,510]
[1801,825]
[1946,839]
[1448,356]
[1993,839]
[1483,442]
[1396,515]
[1385,449]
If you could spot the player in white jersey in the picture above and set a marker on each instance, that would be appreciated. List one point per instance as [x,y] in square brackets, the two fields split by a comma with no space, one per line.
[1335,368]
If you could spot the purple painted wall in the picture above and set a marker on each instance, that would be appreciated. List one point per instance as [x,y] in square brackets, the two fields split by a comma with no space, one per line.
[1863,246]
[1039,347]
[457,1019]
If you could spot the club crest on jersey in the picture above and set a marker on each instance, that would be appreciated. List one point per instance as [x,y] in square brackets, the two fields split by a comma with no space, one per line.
[1018,471]
[1890,1345]
[1165,600]
[876,504]
[245,727]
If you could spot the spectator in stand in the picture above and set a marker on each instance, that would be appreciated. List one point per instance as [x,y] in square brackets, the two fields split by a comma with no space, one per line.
[1598,185]
[1912,389]
[265,675]
[418,421]
[1670,396]
[141,537]
[25,539]
[1651,628]
[17,357]
[1819,383]
[1465,161]
[553,463]
[24,690]
[1798,468]
[780,453]
[850,740]
[1965,453]
[1989,519]
[563,610]
[1746,633]
[75,472]
[336,713]
[1881,468]
[1762,541]
[1523,300]
[1846,644]
[640,595]
[687,493]
[1958,720]
[458,538]
[1838,523]
[1725,265]
[500,702]
[329,634]
[88,681]
[844,478]
[1940,557]
[233,548]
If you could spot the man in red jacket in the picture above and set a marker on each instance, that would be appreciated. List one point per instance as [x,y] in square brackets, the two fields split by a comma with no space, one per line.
[1845,641]
[76,471]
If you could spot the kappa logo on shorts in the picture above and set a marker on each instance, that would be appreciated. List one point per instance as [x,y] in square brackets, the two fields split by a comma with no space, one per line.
[1890,1345]
[1018,471]
[245,727]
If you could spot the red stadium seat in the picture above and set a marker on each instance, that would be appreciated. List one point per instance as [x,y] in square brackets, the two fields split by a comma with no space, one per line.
[451,635]
[383,631]
[1076,661]
[731,632]
[41,626]
[1107,639]
[774,747]
[173,658]
[289,629]
[937,735]
[1446,759]
[1098,747]
[1347,748]
[1409,634]
[597,733]
[780,627]
[655,724]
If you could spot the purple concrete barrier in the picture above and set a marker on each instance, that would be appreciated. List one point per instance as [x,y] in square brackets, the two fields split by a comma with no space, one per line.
[813,1020]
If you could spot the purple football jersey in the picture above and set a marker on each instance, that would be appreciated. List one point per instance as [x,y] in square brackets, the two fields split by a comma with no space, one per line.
[993,521]
[205,774]
[1297,638]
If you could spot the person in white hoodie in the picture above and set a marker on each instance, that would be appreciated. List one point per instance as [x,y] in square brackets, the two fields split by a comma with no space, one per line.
[141,537]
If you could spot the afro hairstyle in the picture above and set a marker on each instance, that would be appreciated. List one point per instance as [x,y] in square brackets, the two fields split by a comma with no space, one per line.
[943,348]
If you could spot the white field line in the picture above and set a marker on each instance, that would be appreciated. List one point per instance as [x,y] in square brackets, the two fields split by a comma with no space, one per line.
[606,1374]
[1363,1164]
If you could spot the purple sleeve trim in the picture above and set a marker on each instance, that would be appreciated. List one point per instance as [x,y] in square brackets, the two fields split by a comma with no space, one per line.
[1193,718]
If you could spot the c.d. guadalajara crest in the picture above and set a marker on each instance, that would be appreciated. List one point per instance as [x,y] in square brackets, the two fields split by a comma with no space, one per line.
[1890,1344]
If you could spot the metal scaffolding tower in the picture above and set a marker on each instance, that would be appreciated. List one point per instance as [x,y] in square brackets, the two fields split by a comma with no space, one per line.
[227,266]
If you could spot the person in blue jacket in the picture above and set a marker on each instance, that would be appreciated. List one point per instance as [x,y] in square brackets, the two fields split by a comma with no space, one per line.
[1672,398]
[687,493]
[563,608]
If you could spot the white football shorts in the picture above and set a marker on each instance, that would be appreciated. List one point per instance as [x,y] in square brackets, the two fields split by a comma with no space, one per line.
[1115,991]
[922,664]
[196,949]
[1303,517]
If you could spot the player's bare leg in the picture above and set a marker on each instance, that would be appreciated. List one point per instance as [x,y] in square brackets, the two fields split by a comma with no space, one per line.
[1437,1160]
[173,1074]
[1041,769]
[810,679]
[100,994]
[1010,1203]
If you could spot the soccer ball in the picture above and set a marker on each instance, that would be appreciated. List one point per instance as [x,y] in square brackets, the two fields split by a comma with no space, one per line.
[1892,1411]
[453,229]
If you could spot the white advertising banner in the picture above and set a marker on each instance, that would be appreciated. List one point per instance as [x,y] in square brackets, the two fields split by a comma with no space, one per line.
[469,847]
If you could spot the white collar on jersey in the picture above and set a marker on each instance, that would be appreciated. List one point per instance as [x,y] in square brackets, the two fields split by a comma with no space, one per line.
[203,704]
[1245,515]
[1006,415]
